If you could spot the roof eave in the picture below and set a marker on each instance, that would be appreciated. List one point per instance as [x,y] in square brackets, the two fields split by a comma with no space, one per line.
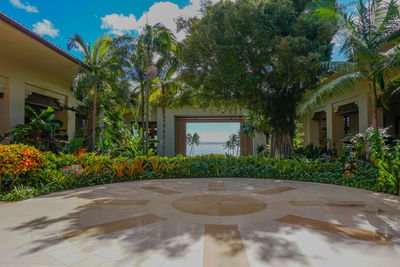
[42,40]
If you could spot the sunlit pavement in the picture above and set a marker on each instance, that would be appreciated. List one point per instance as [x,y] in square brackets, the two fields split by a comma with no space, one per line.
[203,222]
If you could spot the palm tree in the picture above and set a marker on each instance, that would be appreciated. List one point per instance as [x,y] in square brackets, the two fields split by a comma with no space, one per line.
[235,139]
[365,35]
[229,145]
[137,73]
[195,141]
[192,140]
[154,42]
[94,83]
[189,141]
[168,64]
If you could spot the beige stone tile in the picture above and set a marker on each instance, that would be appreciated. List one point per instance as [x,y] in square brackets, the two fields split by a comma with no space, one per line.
[223,246]
[91,261]
[216,186]
[276,190]
[338,229]
[160,190]
[74,257]
[118,202]
[110,227]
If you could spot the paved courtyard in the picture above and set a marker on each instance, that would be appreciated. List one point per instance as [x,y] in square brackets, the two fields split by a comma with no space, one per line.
[203,222]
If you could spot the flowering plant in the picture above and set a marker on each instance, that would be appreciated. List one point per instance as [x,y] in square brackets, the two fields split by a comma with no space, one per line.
[19,159]
[73,170]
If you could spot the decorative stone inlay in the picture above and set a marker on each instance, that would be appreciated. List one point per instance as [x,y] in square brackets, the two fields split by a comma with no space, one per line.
[338,229]
[121,202]
[334,204]
[216,186]
[223,246]
[111,227]
[160,190]
[219,205]
[276,190]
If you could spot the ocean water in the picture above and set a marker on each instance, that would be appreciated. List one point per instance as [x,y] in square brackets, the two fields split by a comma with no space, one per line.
[209,148]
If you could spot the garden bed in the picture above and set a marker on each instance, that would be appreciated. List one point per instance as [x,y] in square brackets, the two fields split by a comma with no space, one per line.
[57,172]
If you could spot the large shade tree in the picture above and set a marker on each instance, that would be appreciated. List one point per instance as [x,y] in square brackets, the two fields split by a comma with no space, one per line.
[257,55]
[368,35]
[99,81]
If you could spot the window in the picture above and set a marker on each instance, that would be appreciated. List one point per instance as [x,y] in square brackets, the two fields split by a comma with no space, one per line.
[346,120]
[3,86]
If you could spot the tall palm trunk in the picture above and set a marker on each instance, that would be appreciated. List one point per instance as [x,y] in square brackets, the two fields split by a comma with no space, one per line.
[142,115]
[373,98]
[163,116]
[147,115]
[94,119]
[147,102]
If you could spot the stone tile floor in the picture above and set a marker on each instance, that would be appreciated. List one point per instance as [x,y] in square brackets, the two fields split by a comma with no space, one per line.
[203,222]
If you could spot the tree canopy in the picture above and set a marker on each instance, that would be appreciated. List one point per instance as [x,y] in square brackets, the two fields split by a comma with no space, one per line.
[258,55]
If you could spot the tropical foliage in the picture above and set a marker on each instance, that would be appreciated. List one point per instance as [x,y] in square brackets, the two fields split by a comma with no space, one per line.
[66,171]
[42,131]
[368,36]
[99,82]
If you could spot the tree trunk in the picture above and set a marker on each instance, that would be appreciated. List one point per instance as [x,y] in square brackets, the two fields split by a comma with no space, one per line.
[147,114]
[142,115]
[374,101]
[163,116]
[281,145]
[94,119]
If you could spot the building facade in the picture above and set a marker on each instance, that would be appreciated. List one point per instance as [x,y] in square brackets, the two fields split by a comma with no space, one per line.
[348,114]
[34,72]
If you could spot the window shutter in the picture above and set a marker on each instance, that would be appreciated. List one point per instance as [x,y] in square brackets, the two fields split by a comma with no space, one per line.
[3,85]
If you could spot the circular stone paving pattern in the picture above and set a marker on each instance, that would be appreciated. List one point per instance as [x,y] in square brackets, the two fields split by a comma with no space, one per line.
[219,205]
[221,222]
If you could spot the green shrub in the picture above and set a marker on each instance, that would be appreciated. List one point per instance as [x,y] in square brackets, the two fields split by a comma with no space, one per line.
[19,193]
[97,169]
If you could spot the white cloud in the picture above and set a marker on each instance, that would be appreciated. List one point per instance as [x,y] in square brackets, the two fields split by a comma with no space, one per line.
[25,6]
[163,12]
[45,27]
[119,24]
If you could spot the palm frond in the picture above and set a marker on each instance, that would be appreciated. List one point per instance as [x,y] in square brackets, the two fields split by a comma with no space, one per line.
[77,42]
[342,67]
[338,86]
[392,90]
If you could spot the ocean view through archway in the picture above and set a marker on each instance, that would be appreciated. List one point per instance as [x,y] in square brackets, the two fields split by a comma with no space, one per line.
[213,138]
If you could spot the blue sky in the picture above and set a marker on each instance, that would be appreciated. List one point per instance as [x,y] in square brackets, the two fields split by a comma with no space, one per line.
[58,20]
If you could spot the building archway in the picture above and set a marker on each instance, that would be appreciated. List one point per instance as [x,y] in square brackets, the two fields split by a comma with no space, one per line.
[180,131]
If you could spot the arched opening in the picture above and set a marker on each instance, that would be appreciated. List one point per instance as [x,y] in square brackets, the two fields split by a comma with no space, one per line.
[214,132]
